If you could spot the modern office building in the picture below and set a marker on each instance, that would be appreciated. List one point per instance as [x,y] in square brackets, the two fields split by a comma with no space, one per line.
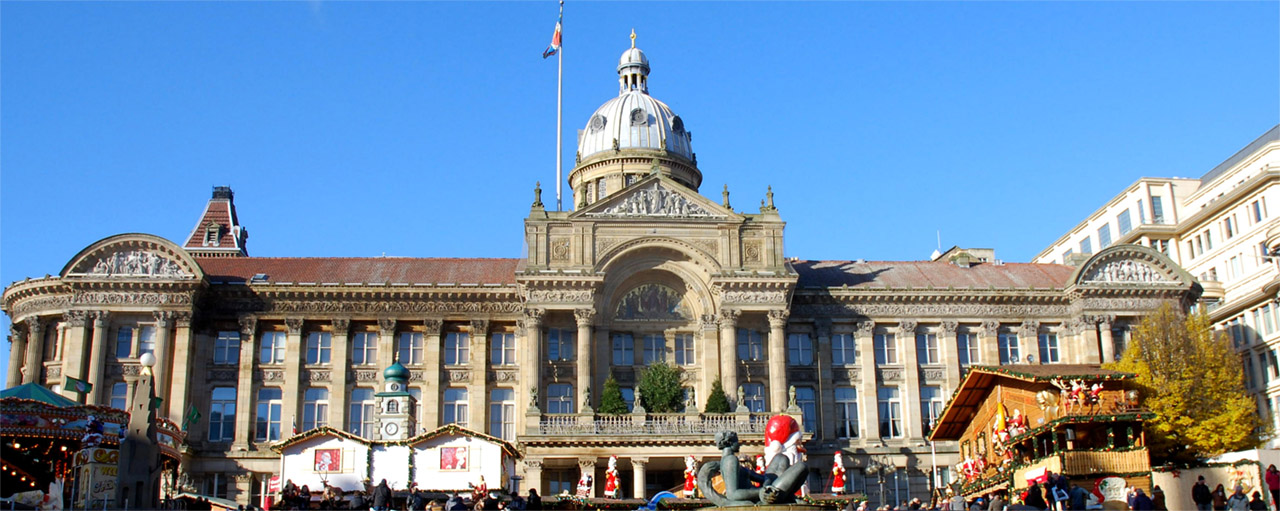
[643,269]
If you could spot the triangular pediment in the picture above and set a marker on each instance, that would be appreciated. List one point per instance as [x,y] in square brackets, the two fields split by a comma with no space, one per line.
[656,197]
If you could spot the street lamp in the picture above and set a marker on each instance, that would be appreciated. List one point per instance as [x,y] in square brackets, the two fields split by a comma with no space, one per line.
[881,467]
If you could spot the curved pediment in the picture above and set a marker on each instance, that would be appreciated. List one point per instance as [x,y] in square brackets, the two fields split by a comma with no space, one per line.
[133,256]
[1130,265]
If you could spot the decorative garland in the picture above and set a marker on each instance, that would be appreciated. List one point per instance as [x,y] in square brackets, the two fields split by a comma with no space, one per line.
[678,504]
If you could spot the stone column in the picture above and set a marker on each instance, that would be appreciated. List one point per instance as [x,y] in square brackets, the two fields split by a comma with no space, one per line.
[868,413]
[729,354]
[826,387]
[35,347]
[476,395]
[708,356]
[294,379]
[533,475]
[1029,340]
[584,318]
[533,354]
[588,465]
[244,386]
[638,466]
[989,343]
[910,391]
[1088,340]
[431,375]
[17,355]
[1070,343]
[98,358]
[163,369]
[76,352]
[386,348]
[1107,341]
[340,360]
[180,382]
[950,355]
[778,360]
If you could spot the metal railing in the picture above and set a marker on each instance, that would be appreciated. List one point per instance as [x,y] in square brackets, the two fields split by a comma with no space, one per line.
[653,423]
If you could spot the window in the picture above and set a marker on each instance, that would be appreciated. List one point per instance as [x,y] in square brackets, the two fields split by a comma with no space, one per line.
[502,413]
[1264,255]
[624,350]
[1086,245]
[807,399]
[1228,228]
[120,396]
[1248,372]
[1257,210]
[602,189]
[1157,210]
[844,350]
[1104,235]
[1007,343]
[1142,213]
[362,419]
[1263,369]
[1273,368]
[409,351]
[146,340]
[846,412]
[272,351]
[685,354]
[270,406]
[315,408]
[502,349]
[655,349]
[631,179]
[1208,240]
[799,350]
[415,406]
[1124,223]
[927,349]
[886,349]
[968,349]
[364,349]
[455,407]
[216,485]
[1237,269]
[753,396]
[1049,348]
[319,347]
[560,398]
[1235,327]
[457,348]
[890,413]
[750,345]
[629,396]
[560,343]
[931,402]
[124,342]
[222,414]
[226,348]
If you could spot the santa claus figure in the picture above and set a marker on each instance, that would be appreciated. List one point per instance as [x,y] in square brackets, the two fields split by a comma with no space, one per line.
[837,475]
[690,477]
[1018,424]
[1095,394]
[611,478]
[781,437]
[760,464]
[584,484]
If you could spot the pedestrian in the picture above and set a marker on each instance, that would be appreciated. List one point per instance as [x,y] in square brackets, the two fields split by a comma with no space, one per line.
[1219,498]
[1201,495]
[997,502]
[1035,497]
[1257,504]
[1077,497]
[1141,502]
[1157,500]
[534,502]
[358,502]
[1238,501]
[957,501]
[1273,484]
[382,497]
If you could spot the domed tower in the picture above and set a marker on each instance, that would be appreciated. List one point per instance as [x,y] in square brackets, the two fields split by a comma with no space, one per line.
[629,136]
[395,407]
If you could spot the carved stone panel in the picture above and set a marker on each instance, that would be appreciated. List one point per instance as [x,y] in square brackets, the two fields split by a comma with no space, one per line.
[223,375]
[560,249]
[363,375]
[933,373]
[458,375]
[269,375]
[504,376]
[417,376]
[655,200]
[801,375]
[889,373]
[1126,271]
[846,375]
[319,375]
[753,251]
[137,263]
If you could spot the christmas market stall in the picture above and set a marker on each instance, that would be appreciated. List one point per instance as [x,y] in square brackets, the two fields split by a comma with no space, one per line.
[1016,424]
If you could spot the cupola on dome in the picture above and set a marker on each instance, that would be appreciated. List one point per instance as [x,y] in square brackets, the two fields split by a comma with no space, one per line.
[634,119]
[397,371]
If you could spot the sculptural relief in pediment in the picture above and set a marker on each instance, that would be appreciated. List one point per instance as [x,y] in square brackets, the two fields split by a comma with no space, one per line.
[654,200]
[136,263]
[1125,271]
[653,302]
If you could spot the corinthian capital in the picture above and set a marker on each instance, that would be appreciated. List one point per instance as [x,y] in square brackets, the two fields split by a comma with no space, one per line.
[584,317]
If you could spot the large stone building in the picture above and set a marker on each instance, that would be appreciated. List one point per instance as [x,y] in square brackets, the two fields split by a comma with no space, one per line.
[643,269]
[1219,228]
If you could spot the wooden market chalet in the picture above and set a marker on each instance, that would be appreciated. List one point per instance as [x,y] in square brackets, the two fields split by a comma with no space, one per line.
[1015,422]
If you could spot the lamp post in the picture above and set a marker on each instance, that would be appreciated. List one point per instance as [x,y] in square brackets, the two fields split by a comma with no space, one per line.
[881,467]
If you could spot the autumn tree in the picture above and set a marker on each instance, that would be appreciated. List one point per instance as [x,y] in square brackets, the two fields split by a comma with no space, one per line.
[1191,378]
[660,389]
[717,402]
[611,402]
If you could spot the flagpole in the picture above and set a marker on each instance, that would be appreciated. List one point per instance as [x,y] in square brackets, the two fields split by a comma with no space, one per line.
[560,113]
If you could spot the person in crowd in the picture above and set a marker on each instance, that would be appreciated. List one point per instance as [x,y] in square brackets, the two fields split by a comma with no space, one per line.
[1219,498]
[1035,497]
[1273,484]
[1238,501]
[1256,503]
[997,502]
[957,501]
[1201,495]
[1141,502]
[382,497]
[1077,498]
[1157,499]
[534,502]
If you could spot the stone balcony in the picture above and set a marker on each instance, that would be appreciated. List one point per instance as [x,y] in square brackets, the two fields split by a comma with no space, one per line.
[549,425]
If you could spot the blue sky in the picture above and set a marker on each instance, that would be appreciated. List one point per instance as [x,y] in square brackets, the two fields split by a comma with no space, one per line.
[419,128]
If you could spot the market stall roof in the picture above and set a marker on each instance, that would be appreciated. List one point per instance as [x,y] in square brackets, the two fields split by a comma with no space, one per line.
[980,380]
[36,392]
[454,429]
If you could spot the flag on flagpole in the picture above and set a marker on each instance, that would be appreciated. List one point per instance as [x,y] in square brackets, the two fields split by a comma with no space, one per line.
[193,416]
[295,425]
[554,47]
[77,385]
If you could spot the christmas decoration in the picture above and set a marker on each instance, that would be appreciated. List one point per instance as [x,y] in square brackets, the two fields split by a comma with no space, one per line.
[611,478]
[690,477]
[837,475]
[584,484]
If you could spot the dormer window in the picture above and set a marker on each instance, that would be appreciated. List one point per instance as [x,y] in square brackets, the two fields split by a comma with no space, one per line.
[212,234]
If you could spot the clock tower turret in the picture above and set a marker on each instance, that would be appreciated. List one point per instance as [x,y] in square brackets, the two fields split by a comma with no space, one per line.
[395,405]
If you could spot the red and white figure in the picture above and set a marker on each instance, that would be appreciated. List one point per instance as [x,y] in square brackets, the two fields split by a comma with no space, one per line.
[759,463]
[837,475]
[690,477]
[611,478]
[584,484]
[782,437]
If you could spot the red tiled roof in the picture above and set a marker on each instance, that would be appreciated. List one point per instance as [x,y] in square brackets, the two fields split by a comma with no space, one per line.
[216,211]
[938,274]
[374,270]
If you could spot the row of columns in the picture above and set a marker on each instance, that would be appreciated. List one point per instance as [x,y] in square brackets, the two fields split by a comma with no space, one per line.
[587,464]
